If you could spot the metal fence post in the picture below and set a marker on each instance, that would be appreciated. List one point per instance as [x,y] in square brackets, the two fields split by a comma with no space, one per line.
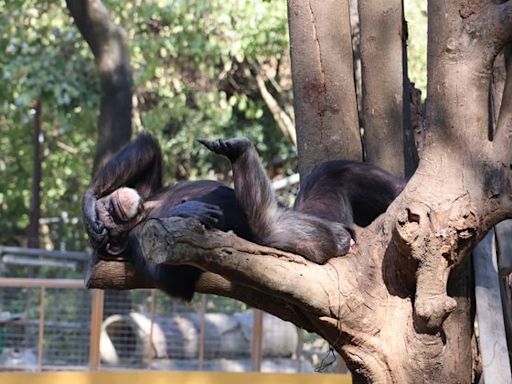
[96,319]
[256,340]
[40,336]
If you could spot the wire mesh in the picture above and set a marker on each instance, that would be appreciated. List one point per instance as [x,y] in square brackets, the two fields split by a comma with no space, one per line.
[48,327]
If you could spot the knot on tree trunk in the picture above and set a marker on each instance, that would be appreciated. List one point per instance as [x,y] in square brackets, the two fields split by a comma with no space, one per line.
[436,239]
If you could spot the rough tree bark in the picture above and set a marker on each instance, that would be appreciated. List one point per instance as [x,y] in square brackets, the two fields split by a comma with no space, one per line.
[382,80]
[108,45]
[323,82]
[397,307]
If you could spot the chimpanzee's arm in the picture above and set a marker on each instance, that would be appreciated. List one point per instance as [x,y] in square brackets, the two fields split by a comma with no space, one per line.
[138,165]
[177,281]
[210,202]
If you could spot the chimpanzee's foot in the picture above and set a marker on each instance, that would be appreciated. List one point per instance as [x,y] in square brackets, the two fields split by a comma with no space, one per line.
[343,240]
[231,148]
[329,244]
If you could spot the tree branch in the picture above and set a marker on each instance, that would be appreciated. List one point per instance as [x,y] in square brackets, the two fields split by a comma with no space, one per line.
[280,116]
[211,283]
[105,273]
[108,44]
[289,277]
[121,274]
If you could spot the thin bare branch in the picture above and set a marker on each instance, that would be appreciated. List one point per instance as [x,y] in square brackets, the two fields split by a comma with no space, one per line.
[280,116]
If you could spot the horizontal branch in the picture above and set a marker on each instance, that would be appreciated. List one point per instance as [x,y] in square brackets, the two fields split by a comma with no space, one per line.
[114,274]
[122,275]
[212,283]
[280,274]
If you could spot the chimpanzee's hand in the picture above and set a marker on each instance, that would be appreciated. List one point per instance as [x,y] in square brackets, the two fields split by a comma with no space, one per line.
[208,214]
[98,234]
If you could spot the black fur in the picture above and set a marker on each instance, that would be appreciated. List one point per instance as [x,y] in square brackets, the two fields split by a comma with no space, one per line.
[335,195]
[348,192]
[139,166]
[303,233]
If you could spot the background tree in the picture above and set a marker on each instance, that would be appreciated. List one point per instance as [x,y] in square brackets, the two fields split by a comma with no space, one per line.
[112,57]
[36,48]
[109,47]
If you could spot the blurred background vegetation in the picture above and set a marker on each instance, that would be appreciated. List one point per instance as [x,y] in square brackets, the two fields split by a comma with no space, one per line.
[194,65]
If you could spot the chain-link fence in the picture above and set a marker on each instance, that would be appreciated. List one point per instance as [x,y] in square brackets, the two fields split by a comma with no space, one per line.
[49,324]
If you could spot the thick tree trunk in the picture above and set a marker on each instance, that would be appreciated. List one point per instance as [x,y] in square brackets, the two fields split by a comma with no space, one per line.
[323,82]
[401,312]
[383,83]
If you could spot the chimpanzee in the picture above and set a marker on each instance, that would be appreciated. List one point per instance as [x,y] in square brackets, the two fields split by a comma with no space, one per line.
[128,190]
[334,196]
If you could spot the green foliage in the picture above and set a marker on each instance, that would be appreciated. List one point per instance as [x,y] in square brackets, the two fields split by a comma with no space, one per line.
[416,15]
[192,78]
[191,69]
[41,58]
